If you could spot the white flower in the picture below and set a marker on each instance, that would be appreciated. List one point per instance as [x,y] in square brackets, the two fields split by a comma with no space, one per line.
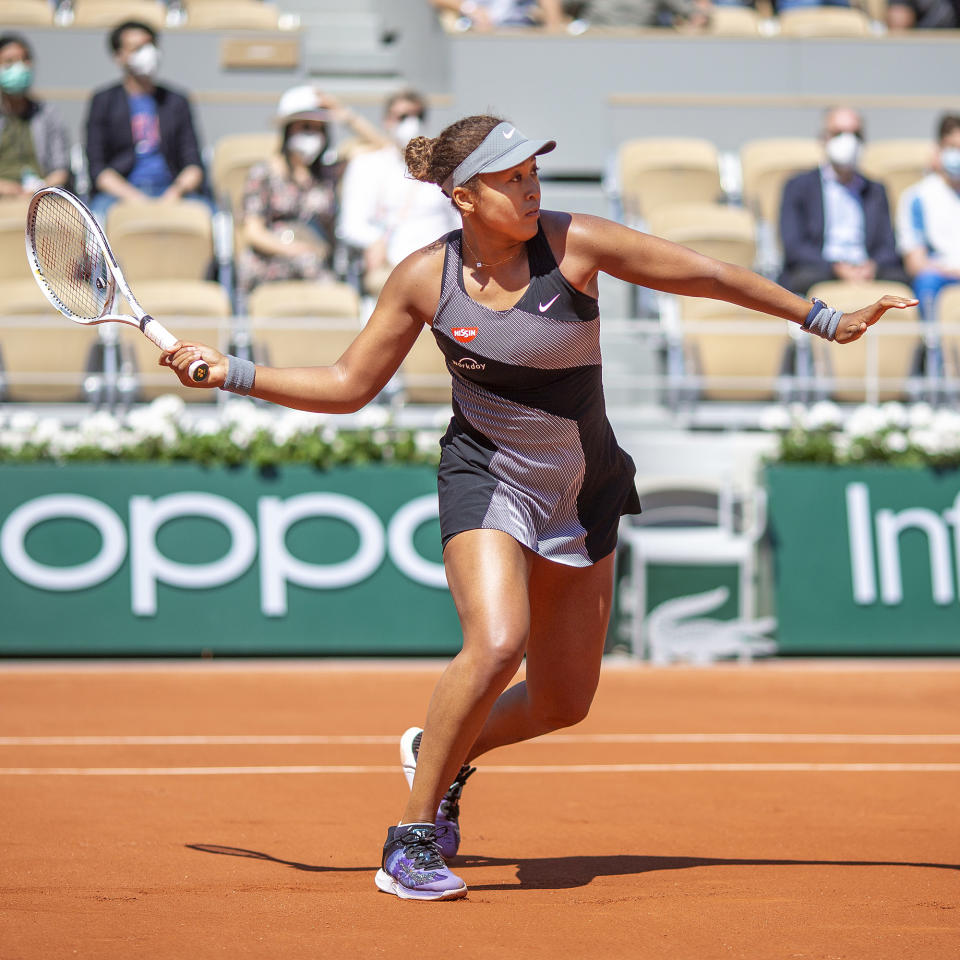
[775,418]
[47,430]
[99,427]
[896,441]
[381,437]
[824,414]
[373,416]
[329,433]
[169,407]
[12,440]
[895,414]
[440,417]
[865,421]
[426,442]
[24,422]
[927,440]
[206,427]
[920,415]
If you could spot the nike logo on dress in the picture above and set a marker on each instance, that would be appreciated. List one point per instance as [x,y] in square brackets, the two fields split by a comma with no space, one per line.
[546,306]
[507,136]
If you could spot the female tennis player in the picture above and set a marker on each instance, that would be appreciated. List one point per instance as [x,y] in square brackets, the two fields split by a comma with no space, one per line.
[532,483]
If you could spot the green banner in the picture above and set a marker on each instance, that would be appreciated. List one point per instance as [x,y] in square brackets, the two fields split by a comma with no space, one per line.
[867,559]
[128,559]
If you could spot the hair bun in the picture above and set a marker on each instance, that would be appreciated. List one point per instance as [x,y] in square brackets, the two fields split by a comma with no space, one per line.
[418,156]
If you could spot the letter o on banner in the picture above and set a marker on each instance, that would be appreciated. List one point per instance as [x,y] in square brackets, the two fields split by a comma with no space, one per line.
[400,541]
[57,506]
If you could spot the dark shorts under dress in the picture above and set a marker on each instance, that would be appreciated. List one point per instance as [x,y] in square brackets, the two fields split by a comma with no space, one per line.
[529,450]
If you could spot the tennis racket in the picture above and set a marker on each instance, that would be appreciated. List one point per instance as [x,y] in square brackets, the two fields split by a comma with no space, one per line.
[77,271]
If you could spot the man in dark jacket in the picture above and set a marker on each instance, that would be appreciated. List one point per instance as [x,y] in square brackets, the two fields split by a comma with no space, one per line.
[834,222]
[140,137]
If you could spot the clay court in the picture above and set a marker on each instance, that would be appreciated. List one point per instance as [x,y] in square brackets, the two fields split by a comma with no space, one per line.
[783,810]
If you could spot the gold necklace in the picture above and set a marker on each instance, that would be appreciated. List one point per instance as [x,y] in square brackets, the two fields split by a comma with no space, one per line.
[480,264]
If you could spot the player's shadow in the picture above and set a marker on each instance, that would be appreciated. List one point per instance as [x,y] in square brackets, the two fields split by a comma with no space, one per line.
[561,873]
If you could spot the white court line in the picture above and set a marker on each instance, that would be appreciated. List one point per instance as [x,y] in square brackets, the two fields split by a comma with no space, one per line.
[535,769]
[907,739]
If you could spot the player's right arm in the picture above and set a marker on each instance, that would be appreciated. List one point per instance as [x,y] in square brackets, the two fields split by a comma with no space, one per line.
[408,301]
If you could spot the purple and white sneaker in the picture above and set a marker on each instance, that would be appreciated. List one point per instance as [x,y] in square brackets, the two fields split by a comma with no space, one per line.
[448,813]
[413,867]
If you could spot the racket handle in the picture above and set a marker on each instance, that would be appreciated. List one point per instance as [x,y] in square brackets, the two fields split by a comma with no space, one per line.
[199,371]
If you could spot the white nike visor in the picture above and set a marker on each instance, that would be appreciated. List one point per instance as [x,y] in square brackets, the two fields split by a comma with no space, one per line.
[502,148]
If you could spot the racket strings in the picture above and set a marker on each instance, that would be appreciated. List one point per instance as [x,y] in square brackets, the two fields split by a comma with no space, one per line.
[70,258]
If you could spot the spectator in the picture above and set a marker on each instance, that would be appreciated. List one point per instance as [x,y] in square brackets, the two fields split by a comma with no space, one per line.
[923,14]
[33,140]
[928,220]
[646,13]
[290,201]
[141,141]
[834,222]
[486,15]
[384,211]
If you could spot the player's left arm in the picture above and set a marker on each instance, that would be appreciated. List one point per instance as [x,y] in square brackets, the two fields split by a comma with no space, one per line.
[597,244]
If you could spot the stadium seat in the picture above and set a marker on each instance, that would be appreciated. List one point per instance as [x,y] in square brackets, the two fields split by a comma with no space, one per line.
[424,377]
[948,313]
[305,298]
[43,355]
[233,156]
[824,22]
[26,13]
[108,13]
[232,15]
[767,164]
[731,353]
[896,164]
[161,241]
[846,366]
[189,309]
[655,172]
[300,341]
[715,230]
[13,257]
[734,21]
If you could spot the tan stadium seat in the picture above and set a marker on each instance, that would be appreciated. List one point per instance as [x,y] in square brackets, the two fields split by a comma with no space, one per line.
[948,313]
[767,164]
[44,354]
[423,374]
[824,22]
[305,298]
[735,353]
[897,164]
[108,13]
[233,156]
[26,13]
[232,15]
[161,241]
[655,172]
[13,255]
[847,365]
[713,229]
[734,21]
[196,310]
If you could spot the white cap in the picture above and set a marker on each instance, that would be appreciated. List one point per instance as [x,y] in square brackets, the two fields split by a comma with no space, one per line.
[301,103]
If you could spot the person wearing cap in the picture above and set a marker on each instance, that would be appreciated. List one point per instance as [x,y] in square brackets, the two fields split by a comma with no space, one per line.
[532,483]
[140,139]
[290,201]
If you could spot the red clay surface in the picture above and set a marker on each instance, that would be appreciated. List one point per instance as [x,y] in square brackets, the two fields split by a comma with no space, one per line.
[685,847]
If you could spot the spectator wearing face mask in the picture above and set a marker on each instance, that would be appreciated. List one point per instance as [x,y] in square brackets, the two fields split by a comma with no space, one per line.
[385,212]
[835,223]
[486,15]
[141,141]
[34,150]
[290,201]
[928,220]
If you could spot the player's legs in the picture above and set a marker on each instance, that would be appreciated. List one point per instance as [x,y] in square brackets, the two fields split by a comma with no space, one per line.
[488,573]
[569,608]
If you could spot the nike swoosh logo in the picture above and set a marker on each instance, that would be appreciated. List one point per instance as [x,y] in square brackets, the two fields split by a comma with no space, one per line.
[546,306]
[507,136]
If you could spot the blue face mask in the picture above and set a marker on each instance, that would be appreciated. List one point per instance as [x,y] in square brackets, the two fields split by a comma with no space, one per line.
[950,161]
[16,78]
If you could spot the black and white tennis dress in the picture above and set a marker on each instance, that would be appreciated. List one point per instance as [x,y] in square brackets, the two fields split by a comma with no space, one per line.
[529,450]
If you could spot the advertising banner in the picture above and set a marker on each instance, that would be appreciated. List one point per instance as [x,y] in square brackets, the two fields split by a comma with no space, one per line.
[132,559]
[867,559]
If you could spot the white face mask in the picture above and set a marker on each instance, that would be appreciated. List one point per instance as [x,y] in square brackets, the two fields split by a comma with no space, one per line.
[144,62]
[406,130]
[950,161]
[307,144]
[843,150]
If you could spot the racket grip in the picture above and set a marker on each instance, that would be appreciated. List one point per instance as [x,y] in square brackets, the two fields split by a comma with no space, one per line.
[199,371]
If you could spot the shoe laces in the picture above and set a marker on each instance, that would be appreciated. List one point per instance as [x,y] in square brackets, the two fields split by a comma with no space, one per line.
[420,845]
[450,804]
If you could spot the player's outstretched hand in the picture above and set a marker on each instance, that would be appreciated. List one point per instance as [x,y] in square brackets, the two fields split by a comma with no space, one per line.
[854,325]
[184,353]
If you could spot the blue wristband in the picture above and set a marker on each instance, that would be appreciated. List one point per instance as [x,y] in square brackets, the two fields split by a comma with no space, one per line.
[822,321]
